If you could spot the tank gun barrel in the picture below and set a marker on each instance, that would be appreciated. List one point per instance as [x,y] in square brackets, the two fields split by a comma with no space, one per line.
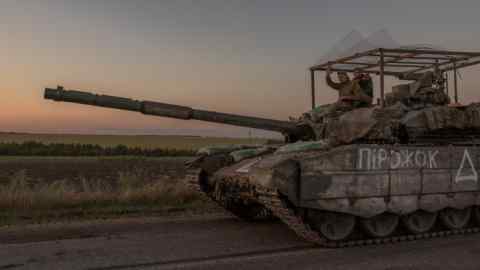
[170,110]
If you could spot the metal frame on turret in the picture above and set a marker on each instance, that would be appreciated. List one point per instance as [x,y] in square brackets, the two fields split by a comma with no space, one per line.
[401,63]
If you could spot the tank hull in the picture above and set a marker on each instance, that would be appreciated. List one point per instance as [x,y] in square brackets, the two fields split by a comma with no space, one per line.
[366,180]
[360,183]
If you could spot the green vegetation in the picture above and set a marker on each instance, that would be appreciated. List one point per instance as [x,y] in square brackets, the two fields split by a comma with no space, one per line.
[32,148]
[141,141]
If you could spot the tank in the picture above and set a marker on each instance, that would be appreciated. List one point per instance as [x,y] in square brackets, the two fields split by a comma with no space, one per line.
[402,170]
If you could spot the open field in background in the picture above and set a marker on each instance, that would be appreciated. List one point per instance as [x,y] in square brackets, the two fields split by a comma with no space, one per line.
[107,169]
[144,141]
[42,189]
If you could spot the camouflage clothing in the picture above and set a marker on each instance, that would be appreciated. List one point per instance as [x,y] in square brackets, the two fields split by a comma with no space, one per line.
[344,88]
[366,83]
[352,93]
[351,96]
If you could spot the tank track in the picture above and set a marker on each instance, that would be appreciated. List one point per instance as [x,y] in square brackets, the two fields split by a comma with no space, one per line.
[216,195]
[279,207]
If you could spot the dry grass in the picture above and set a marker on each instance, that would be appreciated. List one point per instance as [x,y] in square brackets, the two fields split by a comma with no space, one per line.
[21,199]
[42,189]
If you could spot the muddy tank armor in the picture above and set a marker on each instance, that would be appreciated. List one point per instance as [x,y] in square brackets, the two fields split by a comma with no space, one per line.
[403,171]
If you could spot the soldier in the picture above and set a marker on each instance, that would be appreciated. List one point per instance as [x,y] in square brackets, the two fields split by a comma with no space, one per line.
[351,93]
[366,84]
[343,79]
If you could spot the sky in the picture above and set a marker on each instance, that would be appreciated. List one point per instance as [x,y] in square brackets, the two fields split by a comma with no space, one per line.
[244,57]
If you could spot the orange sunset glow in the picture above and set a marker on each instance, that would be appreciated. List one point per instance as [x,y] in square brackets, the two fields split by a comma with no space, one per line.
[240,57]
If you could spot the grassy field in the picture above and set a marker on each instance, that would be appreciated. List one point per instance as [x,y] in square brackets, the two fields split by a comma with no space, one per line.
[144,141]
[40,189]
[106,169]
[44,189]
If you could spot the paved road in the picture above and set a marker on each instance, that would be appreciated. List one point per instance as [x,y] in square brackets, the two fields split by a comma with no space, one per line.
[213,243]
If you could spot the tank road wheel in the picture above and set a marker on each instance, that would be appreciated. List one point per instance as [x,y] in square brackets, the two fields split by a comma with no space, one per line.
[333,226]
[380,225]
[419,221]
[455,218]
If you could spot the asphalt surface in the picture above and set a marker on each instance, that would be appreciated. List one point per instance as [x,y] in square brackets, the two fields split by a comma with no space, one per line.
[219,242]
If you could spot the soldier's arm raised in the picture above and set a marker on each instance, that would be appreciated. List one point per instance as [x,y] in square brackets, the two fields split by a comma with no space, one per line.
[331,83]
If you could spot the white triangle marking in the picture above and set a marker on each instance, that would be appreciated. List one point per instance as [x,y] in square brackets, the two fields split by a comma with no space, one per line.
[472,175]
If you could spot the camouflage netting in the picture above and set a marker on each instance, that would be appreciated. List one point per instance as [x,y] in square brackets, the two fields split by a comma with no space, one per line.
[390,123]
[444,117]
[426,90]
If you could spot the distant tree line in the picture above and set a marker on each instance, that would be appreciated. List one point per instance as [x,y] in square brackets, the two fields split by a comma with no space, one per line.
[32,148]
